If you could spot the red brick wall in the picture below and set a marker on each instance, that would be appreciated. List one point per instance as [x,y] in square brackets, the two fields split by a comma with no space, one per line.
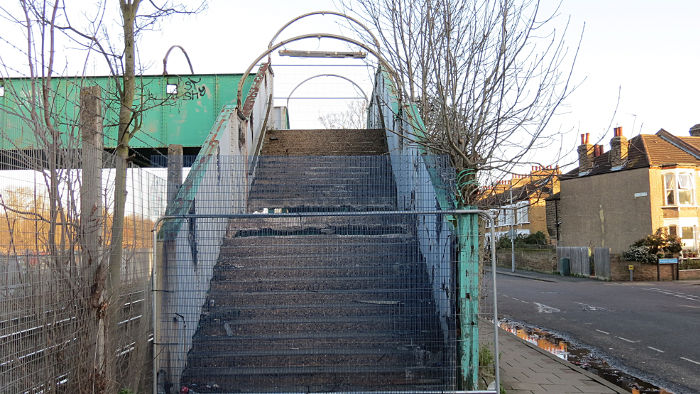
[689,274]
[619,270]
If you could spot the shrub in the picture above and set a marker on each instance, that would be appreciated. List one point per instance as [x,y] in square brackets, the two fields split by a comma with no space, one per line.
[648,249]
[521,240]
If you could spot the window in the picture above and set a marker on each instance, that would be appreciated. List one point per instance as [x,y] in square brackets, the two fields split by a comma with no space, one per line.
[2,91]
[679,188]
[672,230]
[687,233]
[170,88]
[510,215]
[522,212]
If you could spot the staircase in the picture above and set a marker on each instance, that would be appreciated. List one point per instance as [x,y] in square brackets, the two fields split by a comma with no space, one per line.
[322,303]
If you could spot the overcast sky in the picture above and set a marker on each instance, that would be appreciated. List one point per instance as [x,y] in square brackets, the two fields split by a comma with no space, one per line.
[648,51]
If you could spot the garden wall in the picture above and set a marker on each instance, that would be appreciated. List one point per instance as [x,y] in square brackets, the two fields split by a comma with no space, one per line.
[689,274]
[541,260]
[642,272]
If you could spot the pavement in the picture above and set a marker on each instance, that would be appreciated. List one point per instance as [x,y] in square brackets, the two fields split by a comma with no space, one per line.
[525,368]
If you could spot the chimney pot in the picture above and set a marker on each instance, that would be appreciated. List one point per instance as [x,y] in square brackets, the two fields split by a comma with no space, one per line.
[695,130]
[587,136]
[583,139]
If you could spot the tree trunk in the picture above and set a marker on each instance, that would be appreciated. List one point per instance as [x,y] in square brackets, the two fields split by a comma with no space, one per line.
[126,128]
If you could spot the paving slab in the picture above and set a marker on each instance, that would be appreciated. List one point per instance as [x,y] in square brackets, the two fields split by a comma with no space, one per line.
[525,368]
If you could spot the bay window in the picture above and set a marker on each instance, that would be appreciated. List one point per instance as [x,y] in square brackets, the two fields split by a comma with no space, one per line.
[679,188]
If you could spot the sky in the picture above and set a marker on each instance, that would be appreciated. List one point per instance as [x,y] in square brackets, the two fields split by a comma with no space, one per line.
[637,66]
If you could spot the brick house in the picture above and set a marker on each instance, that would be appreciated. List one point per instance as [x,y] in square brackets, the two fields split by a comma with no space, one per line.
[520,201]
[614,198]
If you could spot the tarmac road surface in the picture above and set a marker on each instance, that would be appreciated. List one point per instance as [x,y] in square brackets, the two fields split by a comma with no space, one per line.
[653,327]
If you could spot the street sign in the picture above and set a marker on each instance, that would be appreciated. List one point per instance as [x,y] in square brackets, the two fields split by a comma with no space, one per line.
[673,260]
[630,267]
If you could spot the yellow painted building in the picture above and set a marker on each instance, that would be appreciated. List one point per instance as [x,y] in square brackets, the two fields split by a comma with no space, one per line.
[519,203]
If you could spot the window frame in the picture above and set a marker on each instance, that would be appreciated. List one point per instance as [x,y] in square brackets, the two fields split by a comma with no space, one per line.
[672,193]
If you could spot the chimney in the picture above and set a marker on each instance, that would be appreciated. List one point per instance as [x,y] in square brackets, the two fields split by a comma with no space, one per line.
[695,130]
[585,154]
[618,148]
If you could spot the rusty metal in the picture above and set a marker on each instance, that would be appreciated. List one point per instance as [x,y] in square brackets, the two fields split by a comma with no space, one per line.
[380,58]
[327,75]
[324,54]
[165,59]
[253,92]
[340,14]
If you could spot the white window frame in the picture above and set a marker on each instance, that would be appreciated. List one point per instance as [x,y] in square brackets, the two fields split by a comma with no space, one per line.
[676,188]
[681,222]
[523,214]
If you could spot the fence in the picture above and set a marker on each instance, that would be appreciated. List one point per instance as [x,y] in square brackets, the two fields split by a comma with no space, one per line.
[47,318]
[579,259]
[336,274]
[579,262]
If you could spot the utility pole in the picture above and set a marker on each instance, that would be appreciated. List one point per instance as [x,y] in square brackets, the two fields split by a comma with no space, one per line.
[512,232]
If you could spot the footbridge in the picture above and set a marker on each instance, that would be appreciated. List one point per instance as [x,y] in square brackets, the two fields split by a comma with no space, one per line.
[316,260]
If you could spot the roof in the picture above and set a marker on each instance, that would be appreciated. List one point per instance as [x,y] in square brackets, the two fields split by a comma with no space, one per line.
[648,150]
[541,187]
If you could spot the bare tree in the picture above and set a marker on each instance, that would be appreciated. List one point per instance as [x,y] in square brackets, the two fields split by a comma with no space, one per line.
[487,76]
[43,22]
[354,117]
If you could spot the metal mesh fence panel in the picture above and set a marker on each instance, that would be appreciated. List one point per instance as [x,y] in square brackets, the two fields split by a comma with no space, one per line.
[300,275]
[48,329]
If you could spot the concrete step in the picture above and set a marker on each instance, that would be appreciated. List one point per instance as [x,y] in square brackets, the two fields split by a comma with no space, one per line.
[312,340]
[319,206]
[296,282]
[254,272]
[301,324]
[369,224]
[324,243]
[317,357]
[320,297]
[331,378]
[325,142]
[289,311]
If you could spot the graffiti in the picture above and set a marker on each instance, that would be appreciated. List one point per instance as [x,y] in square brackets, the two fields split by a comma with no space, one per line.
[193,91]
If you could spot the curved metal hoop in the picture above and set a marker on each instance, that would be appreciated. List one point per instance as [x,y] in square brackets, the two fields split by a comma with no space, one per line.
[326,75]
[165,59]
[379,57]
[340,14]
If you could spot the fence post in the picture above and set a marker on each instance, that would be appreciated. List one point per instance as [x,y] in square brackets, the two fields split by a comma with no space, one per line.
[174,171]
[90,199]
[468,292]
[166,376]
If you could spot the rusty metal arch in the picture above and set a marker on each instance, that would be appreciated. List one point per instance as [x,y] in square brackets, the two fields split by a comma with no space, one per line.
[327,75]
[340,14]
[376,53]
[165,59]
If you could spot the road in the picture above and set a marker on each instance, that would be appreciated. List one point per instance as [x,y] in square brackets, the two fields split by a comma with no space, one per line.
[653,327]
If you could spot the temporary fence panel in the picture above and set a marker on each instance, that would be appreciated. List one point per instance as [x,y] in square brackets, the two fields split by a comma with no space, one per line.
[601,261]
[317,275]
[427,182]
[47,313]
[216,184]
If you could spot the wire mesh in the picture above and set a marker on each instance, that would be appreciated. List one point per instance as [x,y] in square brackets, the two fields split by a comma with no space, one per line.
[310,285]
[48,330]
